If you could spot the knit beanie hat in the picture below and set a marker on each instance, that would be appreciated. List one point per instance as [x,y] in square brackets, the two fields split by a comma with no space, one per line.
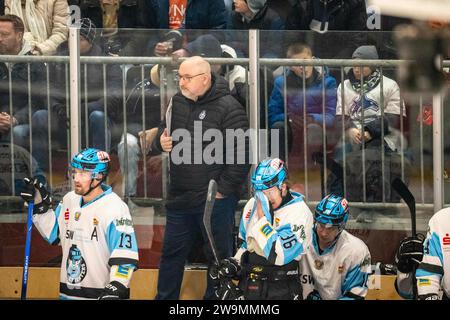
[205,46]
[87,29]
[365,52]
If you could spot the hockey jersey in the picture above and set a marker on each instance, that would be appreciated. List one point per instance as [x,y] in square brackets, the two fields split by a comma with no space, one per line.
[433,273]
[93,236]
[373,106]
[339,272]
[280,240]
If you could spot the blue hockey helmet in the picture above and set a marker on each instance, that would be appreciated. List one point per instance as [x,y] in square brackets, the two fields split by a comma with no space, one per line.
[332,211]
[93,160]
[269,173]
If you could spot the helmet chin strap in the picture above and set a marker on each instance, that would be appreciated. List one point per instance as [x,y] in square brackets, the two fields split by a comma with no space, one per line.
[91,187]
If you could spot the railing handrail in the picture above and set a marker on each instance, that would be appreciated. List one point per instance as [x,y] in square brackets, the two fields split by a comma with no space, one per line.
[229,61]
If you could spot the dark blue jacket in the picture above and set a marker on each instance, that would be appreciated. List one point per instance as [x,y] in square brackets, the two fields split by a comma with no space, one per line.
[295,98]
[200,14]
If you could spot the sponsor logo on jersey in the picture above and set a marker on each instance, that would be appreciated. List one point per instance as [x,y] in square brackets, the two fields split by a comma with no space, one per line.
[424,282]
[446,240]
[66,215]
[123,272]
[77,215]
[306,279]
[202,115]
[318,264]
[248,214]
[266,230]
[123,222]
[75,266]
[296,228]
[277,221]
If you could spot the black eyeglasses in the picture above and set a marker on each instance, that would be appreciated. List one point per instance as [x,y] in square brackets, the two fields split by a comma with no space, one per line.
[178,77]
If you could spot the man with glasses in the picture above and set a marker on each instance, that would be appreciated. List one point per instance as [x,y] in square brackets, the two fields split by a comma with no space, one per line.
[203,105]
[337,264]
[275,231]
[94,228]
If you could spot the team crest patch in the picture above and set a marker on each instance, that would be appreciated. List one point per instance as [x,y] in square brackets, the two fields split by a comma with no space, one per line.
[341,268]
[318,264]
[95,222]
[202,115]
[77,215]
[75,266]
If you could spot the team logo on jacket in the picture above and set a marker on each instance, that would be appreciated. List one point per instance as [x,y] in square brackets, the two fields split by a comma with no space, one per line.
[75,266]
[318,264]
[77,215]
[202,115]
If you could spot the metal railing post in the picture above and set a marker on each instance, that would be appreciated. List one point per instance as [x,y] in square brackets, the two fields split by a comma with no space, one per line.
[438,151]
[75,102]
[253,53]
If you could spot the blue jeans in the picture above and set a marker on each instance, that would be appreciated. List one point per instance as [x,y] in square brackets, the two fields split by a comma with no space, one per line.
[179,237]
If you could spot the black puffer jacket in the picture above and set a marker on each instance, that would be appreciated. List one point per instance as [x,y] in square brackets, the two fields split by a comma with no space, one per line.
[342,15]
[216,109]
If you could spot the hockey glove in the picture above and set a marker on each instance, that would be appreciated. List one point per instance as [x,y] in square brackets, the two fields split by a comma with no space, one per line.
[410,253]
[229,291]
[115,291]
[36,191]
[213,272]
[229,268]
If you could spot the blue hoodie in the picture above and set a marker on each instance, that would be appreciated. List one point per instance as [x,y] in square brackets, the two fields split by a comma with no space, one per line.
[295,97]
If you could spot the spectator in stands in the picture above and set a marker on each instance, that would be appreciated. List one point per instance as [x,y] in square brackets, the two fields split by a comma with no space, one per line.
[188,14]
[255,14]
[315,80]
[13,43]
[46,22]
[92,93]
[115,17]
[371,121]
[323,16]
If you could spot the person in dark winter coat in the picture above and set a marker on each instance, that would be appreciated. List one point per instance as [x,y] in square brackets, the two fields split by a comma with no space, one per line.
[323,16]
[316,80]
[203,105]
[255,14]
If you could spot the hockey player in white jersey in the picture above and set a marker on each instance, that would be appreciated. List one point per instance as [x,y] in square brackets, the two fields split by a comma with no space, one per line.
[275,231]
[433,273]
[94,228]
[337,264]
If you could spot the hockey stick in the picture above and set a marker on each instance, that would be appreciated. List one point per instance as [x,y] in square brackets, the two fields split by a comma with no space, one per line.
[209,205]
[26,262]
[407,196]
[332,165]
[410,201]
